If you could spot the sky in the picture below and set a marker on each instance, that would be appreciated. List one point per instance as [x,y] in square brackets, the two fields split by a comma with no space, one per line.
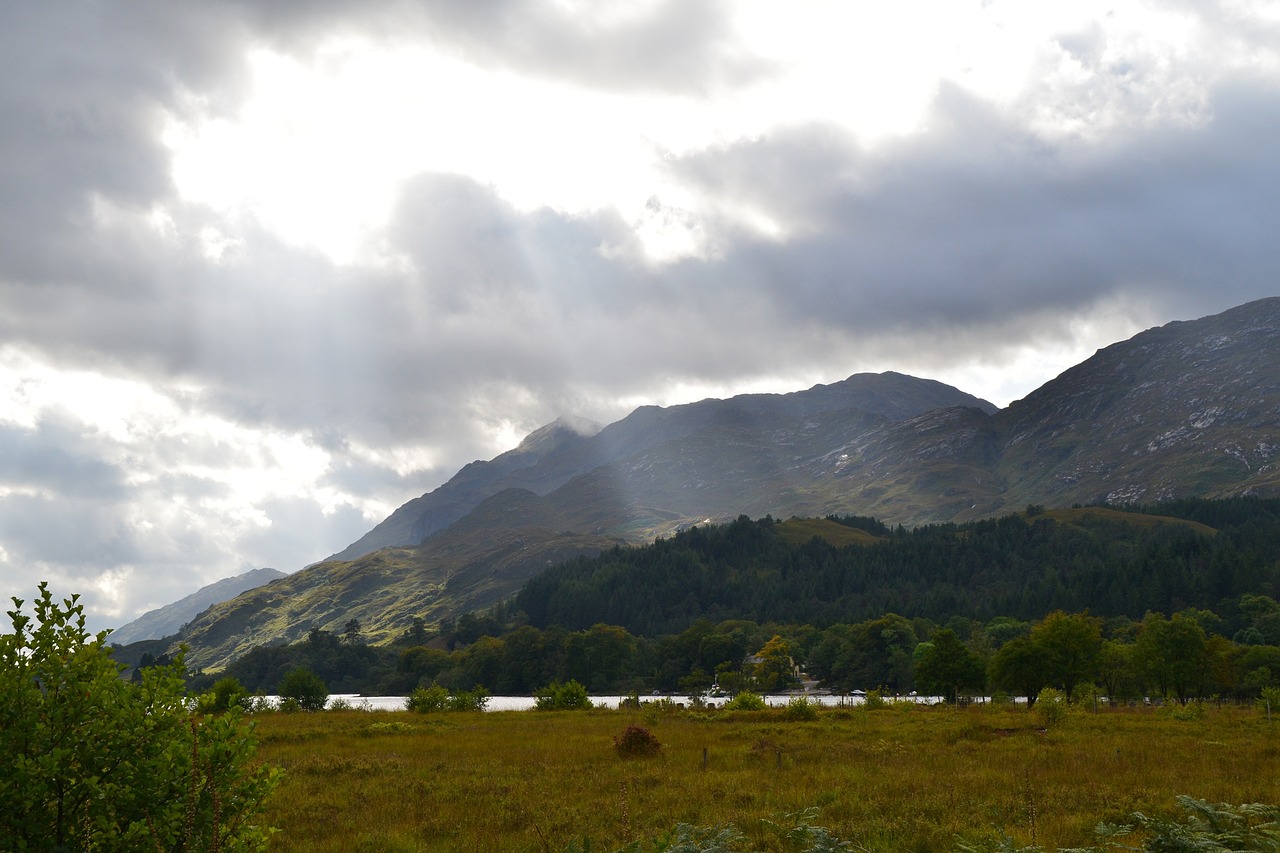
[269,270]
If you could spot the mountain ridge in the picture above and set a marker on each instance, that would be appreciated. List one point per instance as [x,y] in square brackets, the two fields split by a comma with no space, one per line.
[169,619]
[1189,409]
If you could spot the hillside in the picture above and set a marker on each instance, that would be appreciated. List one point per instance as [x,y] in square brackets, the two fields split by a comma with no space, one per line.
[644,441]
[166,621]
[1107,561]
[1190,409]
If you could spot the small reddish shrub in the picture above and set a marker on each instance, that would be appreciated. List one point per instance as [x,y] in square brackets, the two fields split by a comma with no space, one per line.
[636,741]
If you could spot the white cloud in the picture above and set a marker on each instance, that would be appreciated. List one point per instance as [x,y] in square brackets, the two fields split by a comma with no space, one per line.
[269,270]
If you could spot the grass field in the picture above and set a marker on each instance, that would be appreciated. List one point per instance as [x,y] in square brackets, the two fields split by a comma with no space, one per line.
[902,778]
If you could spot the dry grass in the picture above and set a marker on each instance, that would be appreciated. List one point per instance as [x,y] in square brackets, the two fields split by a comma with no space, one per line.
[898,779]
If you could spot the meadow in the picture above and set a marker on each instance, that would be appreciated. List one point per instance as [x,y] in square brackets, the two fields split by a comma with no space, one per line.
[902,778]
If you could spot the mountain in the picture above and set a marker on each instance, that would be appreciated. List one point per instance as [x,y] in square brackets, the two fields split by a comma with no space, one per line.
[1190,409]
[570,447]
[166,621]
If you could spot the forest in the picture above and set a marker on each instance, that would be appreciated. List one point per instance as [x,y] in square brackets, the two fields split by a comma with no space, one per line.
[1176,600]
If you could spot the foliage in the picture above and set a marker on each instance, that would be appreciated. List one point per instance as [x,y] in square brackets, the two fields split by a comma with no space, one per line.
[746,701]
[226,693]
[875,701]
[1102,560]
[469,700]
[1051,707]
[1211,828]
[1269,701]
[426,700]
[771,668]
[562,696]
[1207,827]
[1092,557]
[801,708]
[797,833]
[304,688]
[874,653]
[92,761]
[945,667]
[636,741]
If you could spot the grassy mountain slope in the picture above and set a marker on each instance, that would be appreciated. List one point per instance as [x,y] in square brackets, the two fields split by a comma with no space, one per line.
[167,620]
[1188,409]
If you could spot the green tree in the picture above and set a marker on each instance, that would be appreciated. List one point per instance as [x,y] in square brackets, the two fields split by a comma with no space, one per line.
[1018,667]
[946,667]
[1069,645]
[303,686]
[227,693]
[89,760]
[1115,669]
[1172,655]
[771,667]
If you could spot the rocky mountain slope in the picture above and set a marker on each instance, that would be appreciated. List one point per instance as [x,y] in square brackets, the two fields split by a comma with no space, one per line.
[1187,409]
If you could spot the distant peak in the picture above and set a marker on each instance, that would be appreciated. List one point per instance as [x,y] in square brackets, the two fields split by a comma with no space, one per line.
[584,427]
[547,435]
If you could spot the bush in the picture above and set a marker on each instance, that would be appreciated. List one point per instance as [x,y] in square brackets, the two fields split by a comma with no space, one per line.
[425,700]
[567,696]
[470,700]
[226,693]
[89,760]
[1269,701]
[1051,707]
[745,701]
[305,689]
[875,701]
[801,708]
[636,741]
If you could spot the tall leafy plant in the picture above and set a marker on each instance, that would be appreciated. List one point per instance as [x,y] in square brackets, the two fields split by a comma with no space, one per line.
[91,761]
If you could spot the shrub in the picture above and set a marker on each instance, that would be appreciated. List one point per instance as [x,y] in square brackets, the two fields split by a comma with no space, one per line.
[305,688]
[566,696]
[1051,707]
[745,701]
[226,693]
[874,701]
[636,741]
[89,760]
[425,700]
[801,708]
[469,700]
[1269,701]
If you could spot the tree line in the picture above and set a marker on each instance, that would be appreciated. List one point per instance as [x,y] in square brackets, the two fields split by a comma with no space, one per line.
[1110,563]
[739,605]
[1184,655]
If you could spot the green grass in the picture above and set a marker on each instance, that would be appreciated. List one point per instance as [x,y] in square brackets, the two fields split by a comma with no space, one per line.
[797,531]
[898,779]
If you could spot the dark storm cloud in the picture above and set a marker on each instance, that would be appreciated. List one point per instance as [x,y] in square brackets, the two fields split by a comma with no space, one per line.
[980,222]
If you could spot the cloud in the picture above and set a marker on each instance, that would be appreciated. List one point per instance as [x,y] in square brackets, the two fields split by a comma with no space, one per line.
[187,394]
[980,222]
[669,46]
